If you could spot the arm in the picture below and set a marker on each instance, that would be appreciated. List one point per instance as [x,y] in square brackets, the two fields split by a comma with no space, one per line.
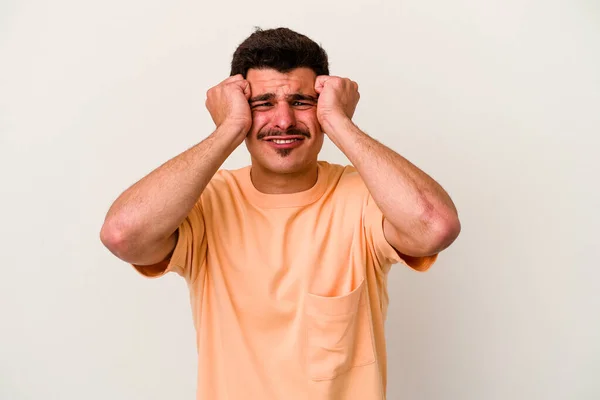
[420,219]
[141,225]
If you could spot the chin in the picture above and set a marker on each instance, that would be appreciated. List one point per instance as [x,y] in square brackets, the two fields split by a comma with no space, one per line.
[287,165]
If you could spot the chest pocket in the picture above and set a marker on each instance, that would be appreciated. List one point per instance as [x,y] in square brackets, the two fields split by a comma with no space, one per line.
[339,333]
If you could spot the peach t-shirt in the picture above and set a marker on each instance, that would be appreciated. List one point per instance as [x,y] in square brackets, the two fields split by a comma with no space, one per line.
[288,291]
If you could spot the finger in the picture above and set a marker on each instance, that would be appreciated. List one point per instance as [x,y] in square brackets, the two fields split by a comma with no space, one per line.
[234,78]
[244,85]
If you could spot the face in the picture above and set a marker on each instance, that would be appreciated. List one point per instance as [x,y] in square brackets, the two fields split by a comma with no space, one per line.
[285,136]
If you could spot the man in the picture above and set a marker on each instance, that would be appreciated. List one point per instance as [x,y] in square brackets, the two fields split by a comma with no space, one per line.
[286,260]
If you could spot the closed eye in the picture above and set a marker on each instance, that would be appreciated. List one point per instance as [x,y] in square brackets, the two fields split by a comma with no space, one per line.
[261,105]
[295,104]
[302,104]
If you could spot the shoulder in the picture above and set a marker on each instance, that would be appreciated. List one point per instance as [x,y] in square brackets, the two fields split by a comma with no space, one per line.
[344,179]
[344,183]
[225,184]
[228,178]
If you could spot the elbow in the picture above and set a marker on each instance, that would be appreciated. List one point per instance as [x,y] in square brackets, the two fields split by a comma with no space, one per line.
[114,239]
[440,225]
[430,235]
[444,231]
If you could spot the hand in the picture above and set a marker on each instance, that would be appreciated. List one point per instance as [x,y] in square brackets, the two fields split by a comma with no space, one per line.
[338,97]
[228,103]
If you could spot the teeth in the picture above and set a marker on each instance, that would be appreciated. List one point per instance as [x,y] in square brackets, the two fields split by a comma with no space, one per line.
[279,141]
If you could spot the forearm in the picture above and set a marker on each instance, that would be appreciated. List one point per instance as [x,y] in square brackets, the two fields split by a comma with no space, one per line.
[152,209]
[410,200]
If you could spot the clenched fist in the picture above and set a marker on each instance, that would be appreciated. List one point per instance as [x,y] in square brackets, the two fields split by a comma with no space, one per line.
[338,97]
[228,103]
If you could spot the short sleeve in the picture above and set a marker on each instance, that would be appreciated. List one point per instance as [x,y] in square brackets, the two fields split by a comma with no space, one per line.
[385,254]
[189,253]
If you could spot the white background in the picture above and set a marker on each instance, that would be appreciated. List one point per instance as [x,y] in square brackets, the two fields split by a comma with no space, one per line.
[497,100]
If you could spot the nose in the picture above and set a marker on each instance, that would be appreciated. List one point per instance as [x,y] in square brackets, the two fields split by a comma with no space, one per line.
[284,117]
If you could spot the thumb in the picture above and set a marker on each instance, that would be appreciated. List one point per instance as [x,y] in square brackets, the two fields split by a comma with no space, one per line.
[244,86]
[247,90]
[320,83]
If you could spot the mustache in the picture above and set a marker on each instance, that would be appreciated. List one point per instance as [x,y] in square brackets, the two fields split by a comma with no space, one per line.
[277,132]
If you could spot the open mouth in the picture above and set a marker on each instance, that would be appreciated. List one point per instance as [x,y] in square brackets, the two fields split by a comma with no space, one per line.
[283,141]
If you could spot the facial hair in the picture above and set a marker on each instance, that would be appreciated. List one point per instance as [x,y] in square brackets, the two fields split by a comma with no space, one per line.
[276,132]
[284,152]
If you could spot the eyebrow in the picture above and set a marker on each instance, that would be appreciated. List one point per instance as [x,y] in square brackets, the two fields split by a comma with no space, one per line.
[289,97]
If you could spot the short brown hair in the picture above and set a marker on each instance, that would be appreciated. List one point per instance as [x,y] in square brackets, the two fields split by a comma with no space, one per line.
[281,49]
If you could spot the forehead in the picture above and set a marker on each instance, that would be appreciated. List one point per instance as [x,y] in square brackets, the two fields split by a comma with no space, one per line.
[299,80]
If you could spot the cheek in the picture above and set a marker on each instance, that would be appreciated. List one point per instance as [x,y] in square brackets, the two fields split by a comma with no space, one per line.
[259,121]
[310,120]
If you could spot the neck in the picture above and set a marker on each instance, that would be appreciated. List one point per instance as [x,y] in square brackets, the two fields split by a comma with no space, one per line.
[270,182]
